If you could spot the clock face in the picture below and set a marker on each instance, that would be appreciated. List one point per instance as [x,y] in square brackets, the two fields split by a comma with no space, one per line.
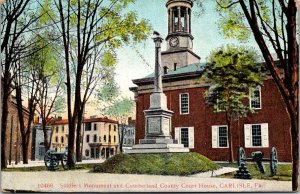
[174,41]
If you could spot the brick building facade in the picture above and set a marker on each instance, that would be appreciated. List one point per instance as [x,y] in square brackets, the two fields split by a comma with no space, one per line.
[194,123]
[13,146]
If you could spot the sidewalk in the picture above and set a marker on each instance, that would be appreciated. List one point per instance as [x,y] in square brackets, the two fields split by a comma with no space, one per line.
[78,181]
[41,163]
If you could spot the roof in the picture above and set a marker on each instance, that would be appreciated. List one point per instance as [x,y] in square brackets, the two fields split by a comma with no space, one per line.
[185,71]
[90,120]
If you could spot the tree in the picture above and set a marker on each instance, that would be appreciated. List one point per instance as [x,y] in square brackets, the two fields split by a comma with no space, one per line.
[18,17]
[48,68]
[120,109]
[91,29]
[274,28]
[232,72]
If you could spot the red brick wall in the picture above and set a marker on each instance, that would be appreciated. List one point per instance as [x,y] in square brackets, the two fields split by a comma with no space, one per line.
[201,117]
[13,133]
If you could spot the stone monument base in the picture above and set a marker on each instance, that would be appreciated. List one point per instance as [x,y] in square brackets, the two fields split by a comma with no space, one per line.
[157,146]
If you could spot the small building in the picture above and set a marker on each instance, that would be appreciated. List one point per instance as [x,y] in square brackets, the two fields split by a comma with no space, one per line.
[59,140]
[129,134]
[38,148]
[100,137]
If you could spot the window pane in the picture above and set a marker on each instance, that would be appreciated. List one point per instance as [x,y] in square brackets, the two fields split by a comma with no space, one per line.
[184,103]
[222,136]
[185,137]
[256,135]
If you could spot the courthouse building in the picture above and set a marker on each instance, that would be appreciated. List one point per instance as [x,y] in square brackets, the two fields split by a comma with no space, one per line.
[194,123]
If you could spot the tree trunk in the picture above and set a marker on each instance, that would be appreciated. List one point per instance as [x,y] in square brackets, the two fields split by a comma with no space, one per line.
[5,96]
[229,130]
[78,137]
[25,151]
[295,152]
[45,131]
[122,138]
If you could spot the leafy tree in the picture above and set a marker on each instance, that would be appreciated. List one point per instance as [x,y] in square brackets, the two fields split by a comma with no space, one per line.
[91,30]
[17,19]
[120,109]
[48,68]
[232,72]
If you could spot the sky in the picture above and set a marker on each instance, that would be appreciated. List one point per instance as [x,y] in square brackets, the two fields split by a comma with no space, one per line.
[204,29]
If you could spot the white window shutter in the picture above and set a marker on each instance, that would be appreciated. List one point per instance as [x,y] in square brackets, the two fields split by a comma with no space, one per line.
[177,132]
[191,138]
[214,136]
[265,135]
[247,134]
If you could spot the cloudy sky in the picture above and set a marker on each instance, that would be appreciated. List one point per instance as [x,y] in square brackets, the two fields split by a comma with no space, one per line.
[138,62]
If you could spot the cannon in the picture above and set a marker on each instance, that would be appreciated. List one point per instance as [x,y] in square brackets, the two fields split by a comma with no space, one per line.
[258,158]
[52,159]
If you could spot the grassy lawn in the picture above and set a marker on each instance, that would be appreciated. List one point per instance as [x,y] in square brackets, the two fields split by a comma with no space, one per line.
[284,172]
[157,164]
[43,168]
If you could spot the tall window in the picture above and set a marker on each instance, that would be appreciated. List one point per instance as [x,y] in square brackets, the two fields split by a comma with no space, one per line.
[255,98]
[56,129]
[95,127]
[184,103]
[104,138]
[87,138]
[95,138]
[62,139]
[256,135]
[62,128]
[56,139]
[109,138]
[219,136]
[185,137]
[109,127]
[115,139]
[115,128]
[223,136]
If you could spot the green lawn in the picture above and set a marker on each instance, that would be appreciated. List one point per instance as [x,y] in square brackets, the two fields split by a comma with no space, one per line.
[284,172]
[158,164]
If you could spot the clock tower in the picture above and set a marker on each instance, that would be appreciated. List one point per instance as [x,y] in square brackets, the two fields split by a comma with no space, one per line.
[179,51]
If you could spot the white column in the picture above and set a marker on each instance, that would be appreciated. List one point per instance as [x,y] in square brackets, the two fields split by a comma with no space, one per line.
[187,20]
[179,18]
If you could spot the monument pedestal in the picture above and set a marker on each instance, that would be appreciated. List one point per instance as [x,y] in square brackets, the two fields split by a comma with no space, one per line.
[158,137]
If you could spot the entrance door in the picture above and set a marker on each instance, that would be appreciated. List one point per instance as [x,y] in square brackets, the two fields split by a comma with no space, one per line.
[97,152]
[92,152]
[107,152]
